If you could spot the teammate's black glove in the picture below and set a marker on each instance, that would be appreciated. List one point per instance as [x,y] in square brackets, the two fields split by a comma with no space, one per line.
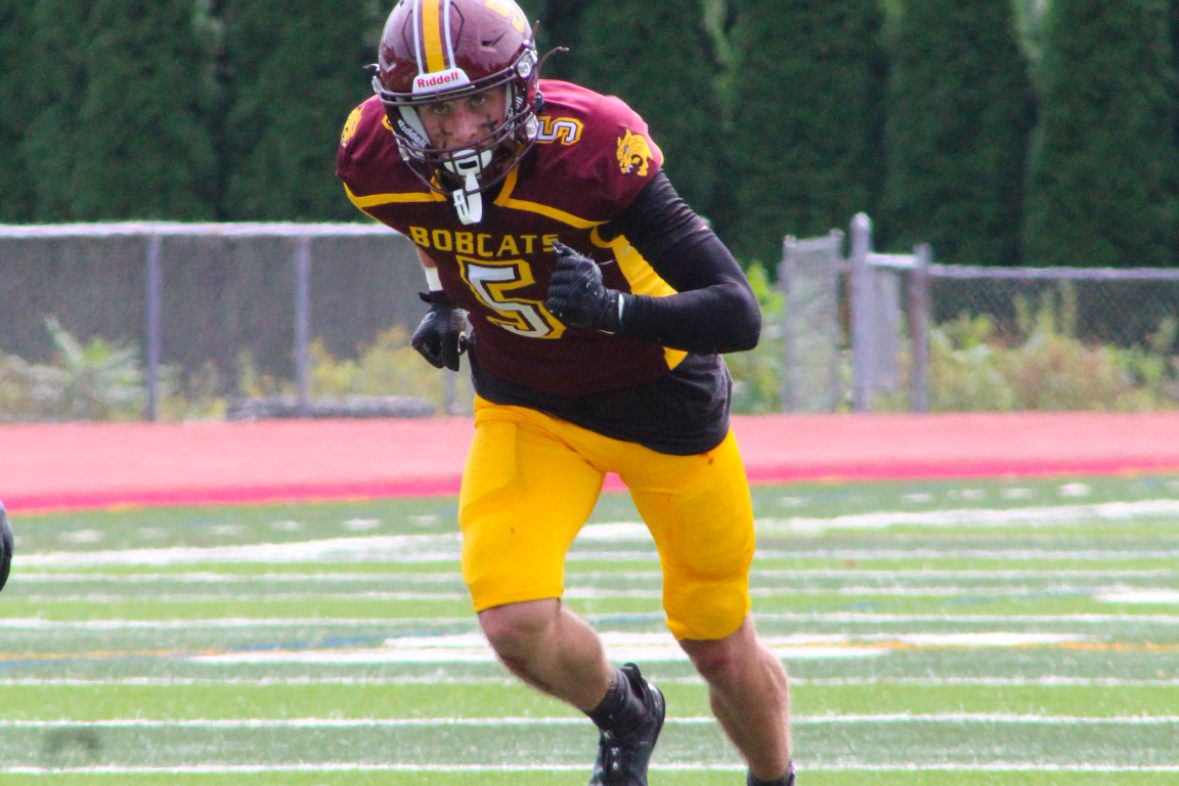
[577,296]
[440,338]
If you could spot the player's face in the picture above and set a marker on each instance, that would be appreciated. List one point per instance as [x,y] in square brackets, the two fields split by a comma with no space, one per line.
[462,121]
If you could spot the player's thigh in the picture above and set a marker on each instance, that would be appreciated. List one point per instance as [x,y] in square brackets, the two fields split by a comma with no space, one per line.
[525,496]
[699,511]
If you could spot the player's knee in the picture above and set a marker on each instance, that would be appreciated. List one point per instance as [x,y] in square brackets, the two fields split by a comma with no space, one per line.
[721,660]
[716,660]
[515,629]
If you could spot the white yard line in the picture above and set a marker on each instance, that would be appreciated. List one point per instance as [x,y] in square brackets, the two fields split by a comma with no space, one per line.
[1135,595]
[341,577]
[1028,554]
[376,548]
[647,647]
[444,546]
[1140,595]
[1039,516]
[359,550]
[472,647]
[703,766]
[1045,681]
[548,721]
[36,623]
[405,655]
[841,617]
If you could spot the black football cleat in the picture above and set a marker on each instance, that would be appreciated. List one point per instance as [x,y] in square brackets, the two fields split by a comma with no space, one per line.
[623,758]
[6,546]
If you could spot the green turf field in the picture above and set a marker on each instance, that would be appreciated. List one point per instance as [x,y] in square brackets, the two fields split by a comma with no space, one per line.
[970,632]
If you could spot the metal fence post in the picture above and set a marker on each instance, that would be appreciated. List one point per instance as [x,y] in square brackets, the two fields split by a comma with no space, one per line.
[919,328]
[811,333]
[154,286]
[786,394]
[862,311]
[303,324]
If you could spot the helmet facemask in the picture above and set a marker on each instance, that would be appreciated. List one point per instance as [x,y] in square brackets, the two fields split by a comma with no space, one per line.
[464,172]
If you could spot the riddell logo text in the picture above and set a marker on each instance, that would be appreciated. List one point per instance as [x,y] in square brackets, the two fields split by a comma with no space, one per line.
[430,82]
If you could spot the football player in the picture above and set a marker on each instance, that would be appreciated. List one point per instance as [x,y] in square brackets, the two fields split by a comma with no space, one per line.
[7,546]
[599,305]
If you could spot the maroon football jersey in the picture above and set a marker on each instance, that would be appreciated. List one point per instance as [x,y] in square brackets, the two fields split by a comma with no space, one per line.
[592,158]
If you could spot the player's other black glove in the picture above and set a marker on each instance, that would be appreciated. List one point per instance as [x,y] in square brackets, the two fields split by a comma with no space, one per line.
[577,296]
[440,338]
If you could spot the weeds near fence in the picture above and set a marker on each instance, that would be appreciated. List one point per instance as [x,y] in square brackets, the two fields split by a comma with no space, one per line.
[978,363]
[1037,362]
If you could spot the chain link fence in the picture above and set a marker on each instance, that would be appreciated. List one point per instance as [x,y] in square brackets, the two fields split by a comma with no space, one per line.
[102,320]
[141,311]
[911,335]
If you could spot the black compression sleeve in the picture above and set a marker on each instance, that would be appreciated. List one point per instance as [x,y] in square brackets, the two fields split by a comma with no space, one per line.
[714,309]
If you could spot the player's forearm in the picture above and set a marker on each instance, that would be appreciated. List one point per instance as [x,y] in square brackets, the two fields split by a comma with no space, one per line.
[714,309]
[721,318]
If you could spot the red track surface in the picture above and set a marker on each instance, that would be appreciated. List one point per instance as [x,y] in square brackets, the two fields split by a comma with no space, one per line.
[57,467]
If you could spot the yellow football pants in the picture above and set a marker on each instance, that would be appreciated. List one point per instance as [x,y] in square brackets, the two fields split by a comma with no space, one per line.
[531,481]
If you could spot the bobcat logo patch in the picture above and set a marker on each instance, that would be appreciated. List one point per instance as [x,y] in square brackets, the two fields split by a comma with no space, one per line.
[634,154]
[350,126]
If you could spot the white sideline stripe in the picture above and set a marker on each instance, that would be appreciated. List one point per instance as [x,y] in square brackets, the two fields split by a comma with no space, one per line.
[405,547]
[326,577]
[463,641]
[695,720]
[919,551]
[1040,516]
[1138,595]
[335,577]
[361,551]
[1047,681]
[849,766]
[650,647]
[650,654]
[37,623]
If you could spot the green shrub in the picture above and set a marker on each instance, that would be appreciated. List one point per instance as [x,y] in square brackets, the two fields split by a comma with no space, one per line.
[390,367]
[98,380]
[1039,364]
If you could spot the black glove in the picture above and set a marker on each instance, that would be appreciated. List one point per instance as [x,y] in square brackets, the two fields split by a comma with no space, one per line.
[6,546]
[440,338]
[577,296]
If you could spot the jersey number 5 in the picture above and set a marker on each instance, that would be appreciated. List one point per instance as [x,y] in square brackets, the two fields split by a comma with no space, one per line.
[494,284]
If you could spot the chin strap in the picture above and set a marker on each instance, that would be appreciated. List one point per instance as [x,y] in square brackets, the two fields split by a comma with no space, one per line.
[468,200]
[468,204]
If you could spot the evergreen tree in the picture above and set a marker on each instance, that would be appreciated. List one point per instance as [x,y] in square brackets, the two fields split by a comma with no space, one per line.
[143,149]
[1174,25]
[16,23]
[559,26]
[292,79]
[1102,175]
[55,76]
[659,60]
[804,152]
[959,114]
